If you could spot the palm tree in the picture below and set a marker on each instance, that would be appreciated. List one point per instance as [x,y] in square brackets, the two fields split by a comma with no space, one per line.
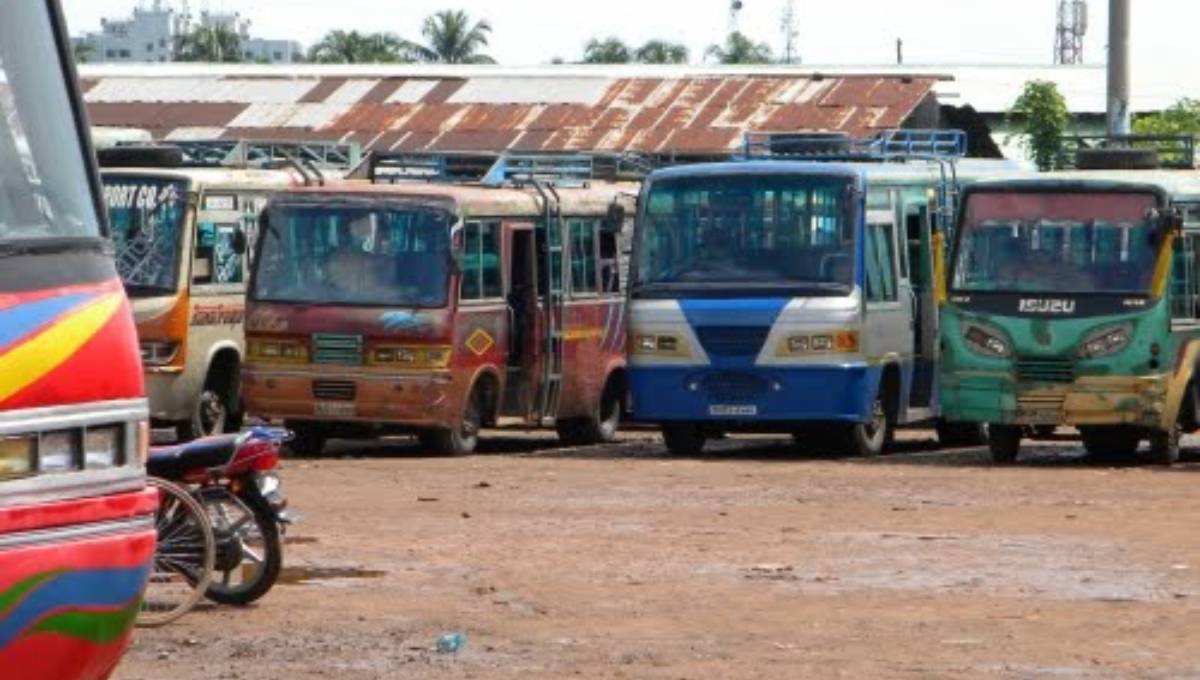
[211,43]
[451,38]
[740,49]
[662,52]
[607,51]
[353,47]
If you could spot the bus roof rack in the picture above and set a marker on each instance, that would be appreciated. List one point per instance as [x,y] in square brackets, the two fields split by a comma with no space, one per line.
[243,153]
[1127,152]
[886,146]
[497,170]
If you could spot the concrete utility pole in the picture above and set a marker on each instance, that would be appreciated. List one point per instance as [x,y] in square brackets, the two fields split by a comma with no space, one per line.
[1118,67]
[900,51]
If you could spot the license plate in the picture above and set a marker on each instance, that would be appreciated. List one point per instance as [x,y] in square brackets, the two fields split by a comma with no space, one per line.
[335,409]
[733,411]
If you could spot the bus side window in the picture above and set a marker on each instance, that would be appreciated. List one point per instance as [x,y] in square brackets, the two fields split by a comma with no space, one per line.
[481,279]
[1185,287]
[584,278]
[881,263]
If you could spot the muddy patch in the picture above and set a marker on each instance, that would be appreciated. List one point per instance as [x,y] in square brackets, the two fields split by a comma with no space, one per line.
[302,576]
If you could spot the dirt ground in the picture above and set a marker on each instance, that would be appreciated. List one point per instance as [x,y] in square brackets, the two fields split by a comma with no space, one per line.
[750,561]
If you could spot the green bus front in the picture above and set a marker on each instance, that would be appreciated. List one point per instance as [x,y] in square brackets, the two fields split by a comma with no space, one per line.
[1059,312]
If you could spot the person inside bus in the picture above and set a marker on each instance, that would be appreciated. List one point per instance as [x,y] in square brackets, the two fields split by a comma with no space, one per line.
[354,270]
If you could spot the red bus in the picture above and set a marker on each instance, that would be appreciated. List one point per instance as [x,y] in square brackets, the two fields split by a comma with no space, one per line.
[437,306]
[76,521]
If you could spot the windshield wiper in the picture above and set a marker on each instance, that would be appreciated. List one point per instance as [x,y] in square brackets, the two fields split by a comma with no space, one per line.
[50,246]
[141,290]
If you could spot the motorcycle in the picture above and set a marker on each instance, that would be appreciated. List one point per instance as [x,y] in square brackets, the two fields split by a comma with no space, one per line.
[235,479]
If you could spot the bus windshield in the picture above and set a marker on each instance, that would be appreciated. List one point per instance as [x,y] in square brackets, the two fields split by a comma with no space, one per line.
[793,232]
[147,215]
[1056,242]
[357,255]
[45,191]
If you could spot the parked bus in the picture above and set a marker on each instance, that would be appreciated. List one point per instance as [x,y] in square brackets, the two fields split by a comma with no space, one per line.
[184,217]
[76,521]
[436,305]
[1074,300]
[790,292]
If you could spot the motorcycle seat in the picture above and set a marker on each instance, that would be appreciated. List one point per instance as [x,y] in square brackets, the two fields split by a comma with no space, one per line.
[174,462]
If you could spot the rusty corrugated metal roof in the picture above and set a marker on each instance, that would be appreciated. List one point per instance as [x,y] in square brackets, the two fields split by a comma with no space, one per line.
[694,113]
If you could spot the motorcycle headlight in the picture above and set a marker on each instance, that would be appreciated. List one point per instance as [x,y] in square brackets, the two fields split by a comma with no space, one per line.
[1105,342]
[987,341]
[102,448]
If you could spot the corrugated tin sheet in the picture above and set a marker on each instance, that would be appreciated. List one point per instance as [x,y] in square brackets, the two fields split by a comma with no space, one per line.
[690,114]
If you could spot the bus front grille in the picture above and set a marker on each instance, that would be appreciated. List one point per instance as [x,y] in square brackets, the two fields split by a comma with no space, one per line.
[1045,370]
[733,341]
[334,390]
[734,388]
[337,349]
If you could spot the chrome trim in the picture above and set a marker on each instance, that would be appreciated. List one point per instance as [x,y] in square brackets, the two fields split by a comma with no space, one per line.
[30,421]
[440,377]
[77,532]
[70,486]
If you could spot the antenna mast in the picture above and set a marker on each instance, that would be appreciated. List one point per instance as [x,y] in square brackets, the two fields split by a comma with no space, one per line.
[790,33]
[1072,27]
[735,9]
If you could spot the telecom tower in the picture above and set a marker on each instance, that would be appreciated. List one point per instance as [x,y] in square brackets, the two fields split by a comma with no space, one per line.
[790,33]
[1072,26]
[735,9]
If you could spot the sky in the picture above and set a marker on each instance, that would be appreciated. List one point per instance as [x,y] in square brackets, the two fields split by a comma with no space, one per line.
[529,32]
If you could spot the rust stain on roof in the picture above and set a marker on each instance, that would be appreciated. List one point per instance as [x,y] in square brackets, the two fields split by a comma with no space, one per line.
[696,114]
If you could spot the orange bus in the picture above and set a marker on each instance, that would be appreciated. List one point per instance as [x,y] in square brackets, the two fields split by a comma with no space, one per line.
[427,303]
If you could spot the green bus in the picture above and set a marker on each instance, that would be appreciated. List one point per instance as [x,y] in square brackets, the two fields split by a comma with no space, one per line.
[1073,299]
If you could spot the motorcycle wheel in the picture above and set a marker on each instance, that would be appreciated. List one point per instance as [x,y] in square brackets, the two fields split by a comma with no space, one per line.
[256,534]
[183,556]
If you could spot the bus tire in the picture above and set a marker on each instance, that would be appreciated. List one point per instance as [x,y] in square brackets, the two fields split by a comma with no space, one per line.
[600,428]
[1164,446]
[871,439]
[684,439]
[961,435]
[308,439]
[1111,443]
[1004,442]
[461,439]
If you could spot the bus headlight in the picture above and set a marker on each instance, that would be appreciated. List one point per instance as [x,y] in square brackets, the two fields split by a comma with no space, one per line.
[666,344]
[158,353]
[841,342]
[274,351]
[59,451]
[102,448]
[16,456]
[1105,342]
[984,340]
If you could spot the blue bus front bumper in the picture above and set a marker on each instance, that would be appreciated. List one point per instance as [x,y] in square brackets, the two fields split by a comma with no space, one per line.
[751,395]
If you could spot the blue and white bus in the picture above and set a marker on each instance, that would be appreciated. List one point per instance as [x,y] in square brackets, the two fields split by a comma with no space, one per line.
[795,290]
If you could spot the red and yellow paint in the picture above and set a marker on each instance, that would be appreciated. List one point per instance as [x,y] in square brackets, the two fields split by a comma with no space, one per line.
[69,345]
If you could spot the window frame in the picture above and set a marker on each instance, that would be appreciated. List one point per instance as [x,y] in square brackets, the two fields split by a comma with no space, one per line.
[483,299]
[885,222]
[594,224]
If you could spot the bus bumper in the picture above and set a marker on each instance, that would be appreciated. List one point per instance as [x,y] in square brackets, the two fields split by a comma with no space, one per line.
[1098,400]
[767,395]
[330,394]
[172,395]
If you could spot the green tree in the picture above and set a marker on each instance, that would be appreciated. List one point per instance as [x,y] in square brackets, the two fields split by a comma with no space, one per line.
[82,51]
[353,47]
[1183,118]
[1041,116]
[608,51]
[662,52]
[740,49]
[216,43]
[452,38]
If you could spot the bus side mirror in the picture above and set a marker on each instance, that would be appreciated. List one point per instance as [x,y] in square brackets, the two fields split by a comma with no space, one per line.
[239,242]
[1164,225]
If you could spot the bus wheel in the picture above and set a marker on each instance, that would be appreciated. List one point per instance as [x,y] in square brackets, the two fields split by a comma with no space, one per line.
[460,440]
[209,417]
[684,439]
[961,435]
[1110,443]
[869,439]
[1004,441]
[308,439]
[1164,446]
[600,428]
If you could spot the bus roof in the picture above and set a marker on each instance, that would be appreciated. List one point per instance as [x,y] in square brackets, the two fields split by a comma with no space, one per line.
[1178,184]
[475,199]
[911,172]
[218,178]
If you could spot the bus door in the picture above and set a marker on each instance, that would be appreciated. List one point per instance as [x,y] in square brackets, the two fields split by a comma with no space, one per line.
[889,328]
[526,322]
[919,229]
